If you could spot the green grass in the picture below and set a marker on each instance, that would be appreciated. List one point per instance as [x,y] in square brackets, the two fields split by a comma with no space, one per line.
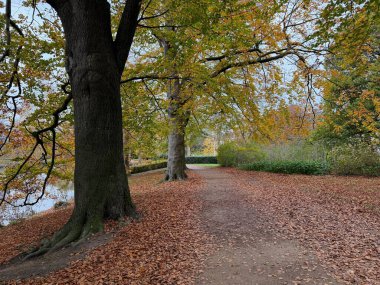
[205,165]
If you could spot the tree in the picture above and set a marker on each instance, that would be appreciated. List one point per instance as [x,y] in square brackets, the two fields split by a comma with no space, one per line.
[351,93]
[204,48]
[144,123]
[94,63]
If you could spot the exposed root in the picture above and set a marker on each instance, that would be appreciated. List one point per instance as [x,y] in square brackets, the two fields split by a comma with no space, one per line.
[131,211]
[70,233]
[175,177]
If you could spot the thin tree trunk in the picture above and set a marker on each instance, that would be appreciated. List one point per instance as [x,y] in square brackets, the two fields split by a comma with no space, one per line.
[127,155]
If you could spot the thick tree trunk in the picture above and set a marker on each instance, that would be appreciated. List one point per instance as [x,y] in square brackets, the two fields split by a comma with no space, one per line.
[177,121]
[100,179]
[176,142]
[101,186]
[176,156]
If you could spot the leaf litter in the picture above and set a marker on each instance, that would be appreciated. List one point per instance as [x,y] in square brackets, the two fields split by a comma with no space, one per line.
[337,217]
[165,246]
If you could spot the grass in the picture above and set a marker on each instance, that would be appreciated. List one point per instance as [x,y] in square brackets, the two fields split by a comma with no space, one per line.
[205,165]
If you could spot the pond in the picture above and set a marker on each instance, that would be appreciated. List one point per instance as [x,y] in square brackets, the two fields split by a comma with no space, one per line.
[62,192]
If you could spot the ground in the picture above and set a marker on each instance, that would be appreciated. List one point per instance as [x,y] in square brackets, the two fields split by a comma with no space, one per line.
[222,226]
[248,253]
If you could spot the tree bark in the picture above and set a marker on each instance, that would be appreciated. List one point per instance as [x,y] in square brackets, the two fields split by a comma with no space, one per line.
[178,120]
[127,154]
[100,179]
[187,151]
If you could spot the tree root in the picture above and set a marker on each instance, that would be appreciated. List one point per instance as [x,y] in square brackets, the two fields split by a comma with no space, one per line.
[176,177]
[70,233]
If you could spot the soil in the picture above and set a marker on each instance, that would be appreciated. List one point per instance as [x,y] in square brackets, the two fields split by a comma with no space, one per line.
[248,253]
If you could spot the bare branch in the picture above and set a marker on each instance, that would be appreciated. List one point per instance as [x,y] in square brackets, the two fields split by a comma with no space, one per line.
[151,76]
[14,77]
[13,121]
[160,26]
[260,59]
[154,98]
[143,18]
[220,57]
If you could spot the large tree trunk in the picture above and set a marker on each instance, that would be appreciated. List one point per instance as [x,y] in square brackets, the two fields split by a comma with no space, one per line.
[100,179]
[177,121]
[176,142]
[101,187]
[176,154]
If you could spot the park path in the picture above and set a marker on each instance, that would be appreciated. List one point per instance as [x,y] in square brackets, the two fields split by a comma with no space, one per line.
[248,253]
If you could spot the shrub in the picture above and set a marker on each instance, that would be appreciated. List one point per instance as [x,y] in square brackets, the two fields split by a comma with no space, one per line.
[295,151]
[201,160]
[288,167]
[358,159]
[148,167]
[233,154]
[226,154]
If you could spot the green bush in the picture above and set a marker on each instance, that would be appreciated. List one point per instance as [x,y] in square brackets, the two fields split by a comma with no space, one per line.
[355,158]
[148,167]
[288,167]
[358,159]
[233,154]
[226,154]
[201,160]
[295,151]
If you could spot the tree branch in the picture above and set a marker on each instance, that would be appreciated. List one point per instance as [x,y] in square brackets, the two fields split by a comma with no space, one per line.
[38,135]
[261,59]
[56,4]
[151,76]
[223,56]
[126,31]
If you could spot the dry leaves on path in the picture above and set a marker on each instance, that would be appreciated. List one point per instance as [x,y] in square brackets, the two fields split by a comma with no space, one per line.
[165,246]
[338,217]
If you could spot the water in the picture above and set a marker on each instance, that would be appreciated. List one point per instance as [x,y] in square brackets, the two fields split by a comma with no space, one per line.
[54,194]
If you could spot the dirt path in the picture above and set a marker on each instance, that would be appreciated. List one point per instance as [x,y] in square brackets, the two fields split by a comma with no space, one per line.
[248,252]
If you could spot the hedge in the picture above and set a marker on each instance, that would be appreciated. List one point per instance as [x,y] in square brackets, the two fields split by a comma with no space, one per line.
[148,167]
[163,164]
[201,160]
[288,167]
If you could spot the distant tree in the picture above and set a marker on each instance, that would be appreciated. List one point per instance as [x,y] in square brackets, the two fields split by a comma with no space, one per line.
[218,56]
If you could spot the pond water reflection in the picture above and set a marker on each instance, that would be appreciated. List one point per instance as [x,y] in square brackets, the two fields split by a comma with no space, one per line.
[62,192]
